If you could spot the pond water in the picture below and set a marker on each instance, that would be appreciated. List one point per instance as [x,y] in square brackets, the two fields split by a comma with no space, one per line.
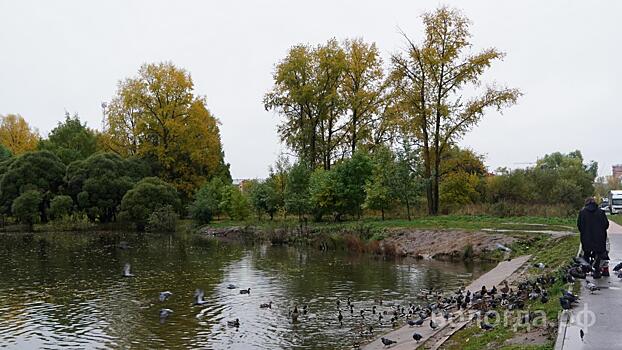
[66,291]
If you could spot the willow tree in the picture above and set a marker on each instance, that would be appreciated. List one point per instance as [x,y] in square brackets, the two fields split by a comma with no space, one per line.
[158,116]
[438,83]
[16,135]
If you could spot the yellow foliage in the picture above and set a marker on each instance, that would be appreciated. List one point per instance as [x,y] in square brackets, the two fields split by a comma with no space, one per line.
[156,114]
[16,135]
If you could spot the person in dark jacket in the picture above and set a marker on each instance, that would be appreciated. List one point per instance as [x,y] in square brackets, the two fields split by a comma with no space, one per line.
[593,224]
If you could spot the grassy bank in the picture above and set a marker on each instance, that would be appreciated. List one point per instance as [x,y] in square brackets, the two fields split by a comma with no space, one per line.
[368,235]
[465,222]
[506,335]
[616,218]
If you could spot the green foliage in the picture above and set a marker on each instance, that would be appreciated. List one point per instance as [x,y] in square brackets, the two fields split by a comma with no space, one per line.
[70,140]
[350,178]
[26,207]
[407,182]
[145,197]
[322,196]
[98,183]
[239,206]
[555,179]
[297,197]
[60,206]
[340,191]
[379,187]
[263,198]
[163,219]
[72,222]
[40,170]
[458,189]
[211,200]
[278,180]
[5,153]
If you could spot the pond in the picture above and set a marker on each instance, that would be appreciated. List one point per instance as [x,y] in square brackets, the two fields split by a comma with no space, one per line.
[67,291]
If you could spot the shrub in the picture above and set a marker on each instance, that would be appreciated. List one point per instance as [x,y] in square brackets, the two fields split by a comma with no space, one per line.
[145,197]
[164,219]
[70,222]
[26,207]
[60,206]
[239,206]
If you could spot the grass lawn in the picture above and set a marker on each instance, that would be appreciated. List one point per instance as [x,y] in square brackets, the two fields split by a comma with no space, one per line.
[464,222]
[473,338]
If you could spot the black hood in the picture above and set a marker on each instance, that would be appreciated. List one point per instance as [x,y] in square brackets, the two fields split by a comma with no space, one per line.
[591,206]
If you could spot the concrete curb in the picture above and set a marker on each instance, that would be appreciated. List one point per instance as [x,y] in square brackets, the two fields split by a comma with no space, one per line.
[563,320]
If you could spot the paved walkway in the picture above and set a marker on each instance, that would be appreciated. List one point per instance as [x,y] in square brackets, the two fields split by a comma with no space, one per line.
[599,315]
[403,335]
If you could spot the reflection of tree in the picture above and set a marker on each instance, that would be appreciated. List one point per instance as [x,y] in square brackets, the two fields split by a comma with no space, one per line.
[75,283]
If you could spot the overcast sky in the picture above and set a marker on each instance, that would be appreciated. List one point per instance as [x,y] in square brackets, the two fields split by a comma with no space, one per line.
[58,56]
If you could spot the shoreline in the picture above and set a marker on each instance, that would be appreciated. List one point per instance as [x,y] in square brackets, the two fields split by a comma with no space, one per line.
[403,335]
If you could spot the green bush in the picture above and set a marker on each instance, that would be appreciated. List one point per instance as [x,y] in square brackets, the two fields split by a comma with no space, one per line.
[239,206]
[26,207]
[60,206]
[145,197]
[164,219]
[70,222]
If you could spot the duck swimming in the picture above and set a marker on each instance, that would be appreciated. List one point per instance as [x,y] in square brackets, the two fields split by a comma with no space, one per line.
[245,291]
[235,323]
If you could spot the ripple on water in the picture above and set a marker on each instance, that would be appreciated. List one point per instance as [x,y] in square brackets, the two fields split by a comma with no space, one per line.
[70,293]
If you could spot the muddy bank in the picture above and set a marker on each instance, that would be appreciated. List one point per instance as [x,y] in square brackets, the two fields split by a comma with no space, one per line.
[443,244]
[414,243]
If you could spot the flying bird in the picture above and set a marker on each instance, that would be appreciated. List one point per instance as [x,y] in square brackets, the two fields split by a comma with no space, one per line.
[126,271]
[198,297]
[165,295]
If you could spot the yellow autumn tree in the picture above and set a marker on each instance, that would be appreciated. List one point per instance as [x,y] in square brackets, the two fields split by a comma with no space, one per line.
[157,115]
[16,135]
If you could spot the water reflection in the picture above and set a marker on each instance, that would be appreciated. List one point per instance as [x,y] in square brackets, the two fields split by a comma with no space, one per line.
[66,291]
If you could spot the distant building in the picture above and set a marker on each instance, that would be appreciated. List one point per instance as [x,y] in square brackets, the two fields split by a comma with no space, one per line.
[242,183]
[617,171]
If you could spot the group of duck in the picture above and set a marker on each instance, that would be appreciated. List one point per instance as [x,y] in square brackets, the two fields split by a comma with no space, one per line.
[198,299]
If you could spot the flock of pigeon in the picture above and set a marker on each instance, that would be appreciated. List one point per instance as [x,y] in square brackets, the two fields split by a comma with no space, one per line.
[436,303]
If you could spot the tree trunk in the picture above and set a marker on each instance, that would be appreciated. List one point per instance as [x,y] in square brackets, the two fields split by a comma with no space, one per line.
[408,209]
[382,211]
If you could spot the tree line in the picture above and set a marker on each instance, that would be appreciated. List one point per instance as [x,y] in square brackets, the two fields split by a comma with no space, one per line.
[368,137]
[159,144]
[337,97]
[385,183]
